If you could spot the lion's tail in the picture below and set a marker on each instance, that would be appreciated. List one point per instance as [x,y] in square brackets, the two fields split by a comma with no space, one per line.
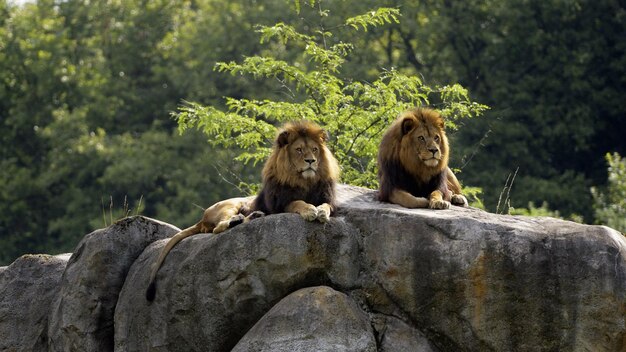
[190,231]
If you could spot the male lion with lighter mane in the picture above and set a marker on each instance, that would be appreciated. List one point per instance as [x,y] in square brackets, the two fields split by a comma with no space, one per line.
[413,163]
[299,177]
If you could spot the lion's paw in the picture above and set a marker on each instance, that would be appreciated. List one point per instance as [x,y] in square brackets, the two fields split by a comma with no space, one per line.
[439,204]
[236,220]
[221,226]
[323,213]
[459,199]
[309,214]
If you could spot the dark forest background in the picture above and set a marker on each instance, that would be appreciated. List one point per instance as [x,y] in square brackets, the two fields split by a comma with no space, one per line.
[87,91]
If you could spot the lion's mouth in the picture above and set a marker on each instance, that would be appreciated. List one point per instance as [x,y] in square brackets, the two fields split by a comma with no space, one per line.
[308,172]
[431,161]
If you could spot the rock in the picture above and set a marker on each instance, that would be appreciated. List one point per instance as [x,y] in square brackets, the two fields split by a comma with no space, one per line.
[398,336]
[27,288]
[459,279]
[478,281]
[81,318]
[413,280]
[211,289]
[313,319]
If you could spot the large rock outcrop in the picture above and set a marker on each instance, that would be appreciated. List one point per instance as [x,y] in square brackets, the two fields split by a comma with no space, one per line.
[376,277]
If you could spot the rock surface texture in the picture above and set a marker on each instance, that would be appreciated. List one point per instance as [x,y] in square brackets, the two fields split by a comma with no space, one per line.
[311,319]
[27,288]
[377,277]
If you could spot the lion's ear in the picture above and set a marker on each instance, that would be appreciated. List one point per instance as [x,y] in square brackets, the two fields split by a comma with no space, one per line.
[282,139]
[408,124]
[441,121]
[324,136]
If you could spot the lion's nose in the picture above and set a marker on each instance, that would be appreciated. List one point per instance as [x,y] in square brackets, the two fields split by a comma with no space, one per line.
[310,161]
[433,150]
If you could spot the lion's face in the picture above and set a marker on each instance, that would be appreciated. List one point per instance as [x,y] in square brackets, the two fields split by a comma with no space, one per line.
[304,157]
[300,156]
[416,140]
[422,141]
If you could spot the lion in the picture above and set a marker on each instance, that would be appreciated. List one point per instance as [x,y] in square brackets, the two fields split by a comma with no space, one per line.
[299,177]
[413,163]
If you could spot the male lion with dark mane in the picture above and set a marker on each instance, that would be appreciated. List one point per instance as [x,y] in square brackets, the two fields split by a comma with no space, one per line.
[299,177]
[413,163]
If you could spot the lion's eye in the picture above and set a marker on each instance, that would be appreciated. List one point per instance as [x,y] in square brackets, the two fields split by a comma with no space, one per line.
[299,150]
[436,138]
[314,150]
[421,138]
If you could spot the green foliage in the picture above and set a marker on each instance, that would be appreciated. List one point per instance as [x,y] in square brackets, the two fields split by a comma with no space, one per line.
[610,204]
[474,196]
[533,210]
[355,113]
[543,211]
[84,124]
[378,17]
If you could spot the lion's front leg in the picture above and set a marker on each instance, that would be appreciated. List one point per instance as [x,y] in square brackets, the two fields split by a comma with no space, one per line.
[407,200]
[437,201]
[306,210]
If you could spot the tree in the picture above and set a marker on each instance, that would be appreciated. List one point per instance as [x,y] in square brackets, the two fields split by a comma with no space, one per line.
[355,113]
[85,127]
[551,73]
[33,46]
[205,32]
[610,204]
